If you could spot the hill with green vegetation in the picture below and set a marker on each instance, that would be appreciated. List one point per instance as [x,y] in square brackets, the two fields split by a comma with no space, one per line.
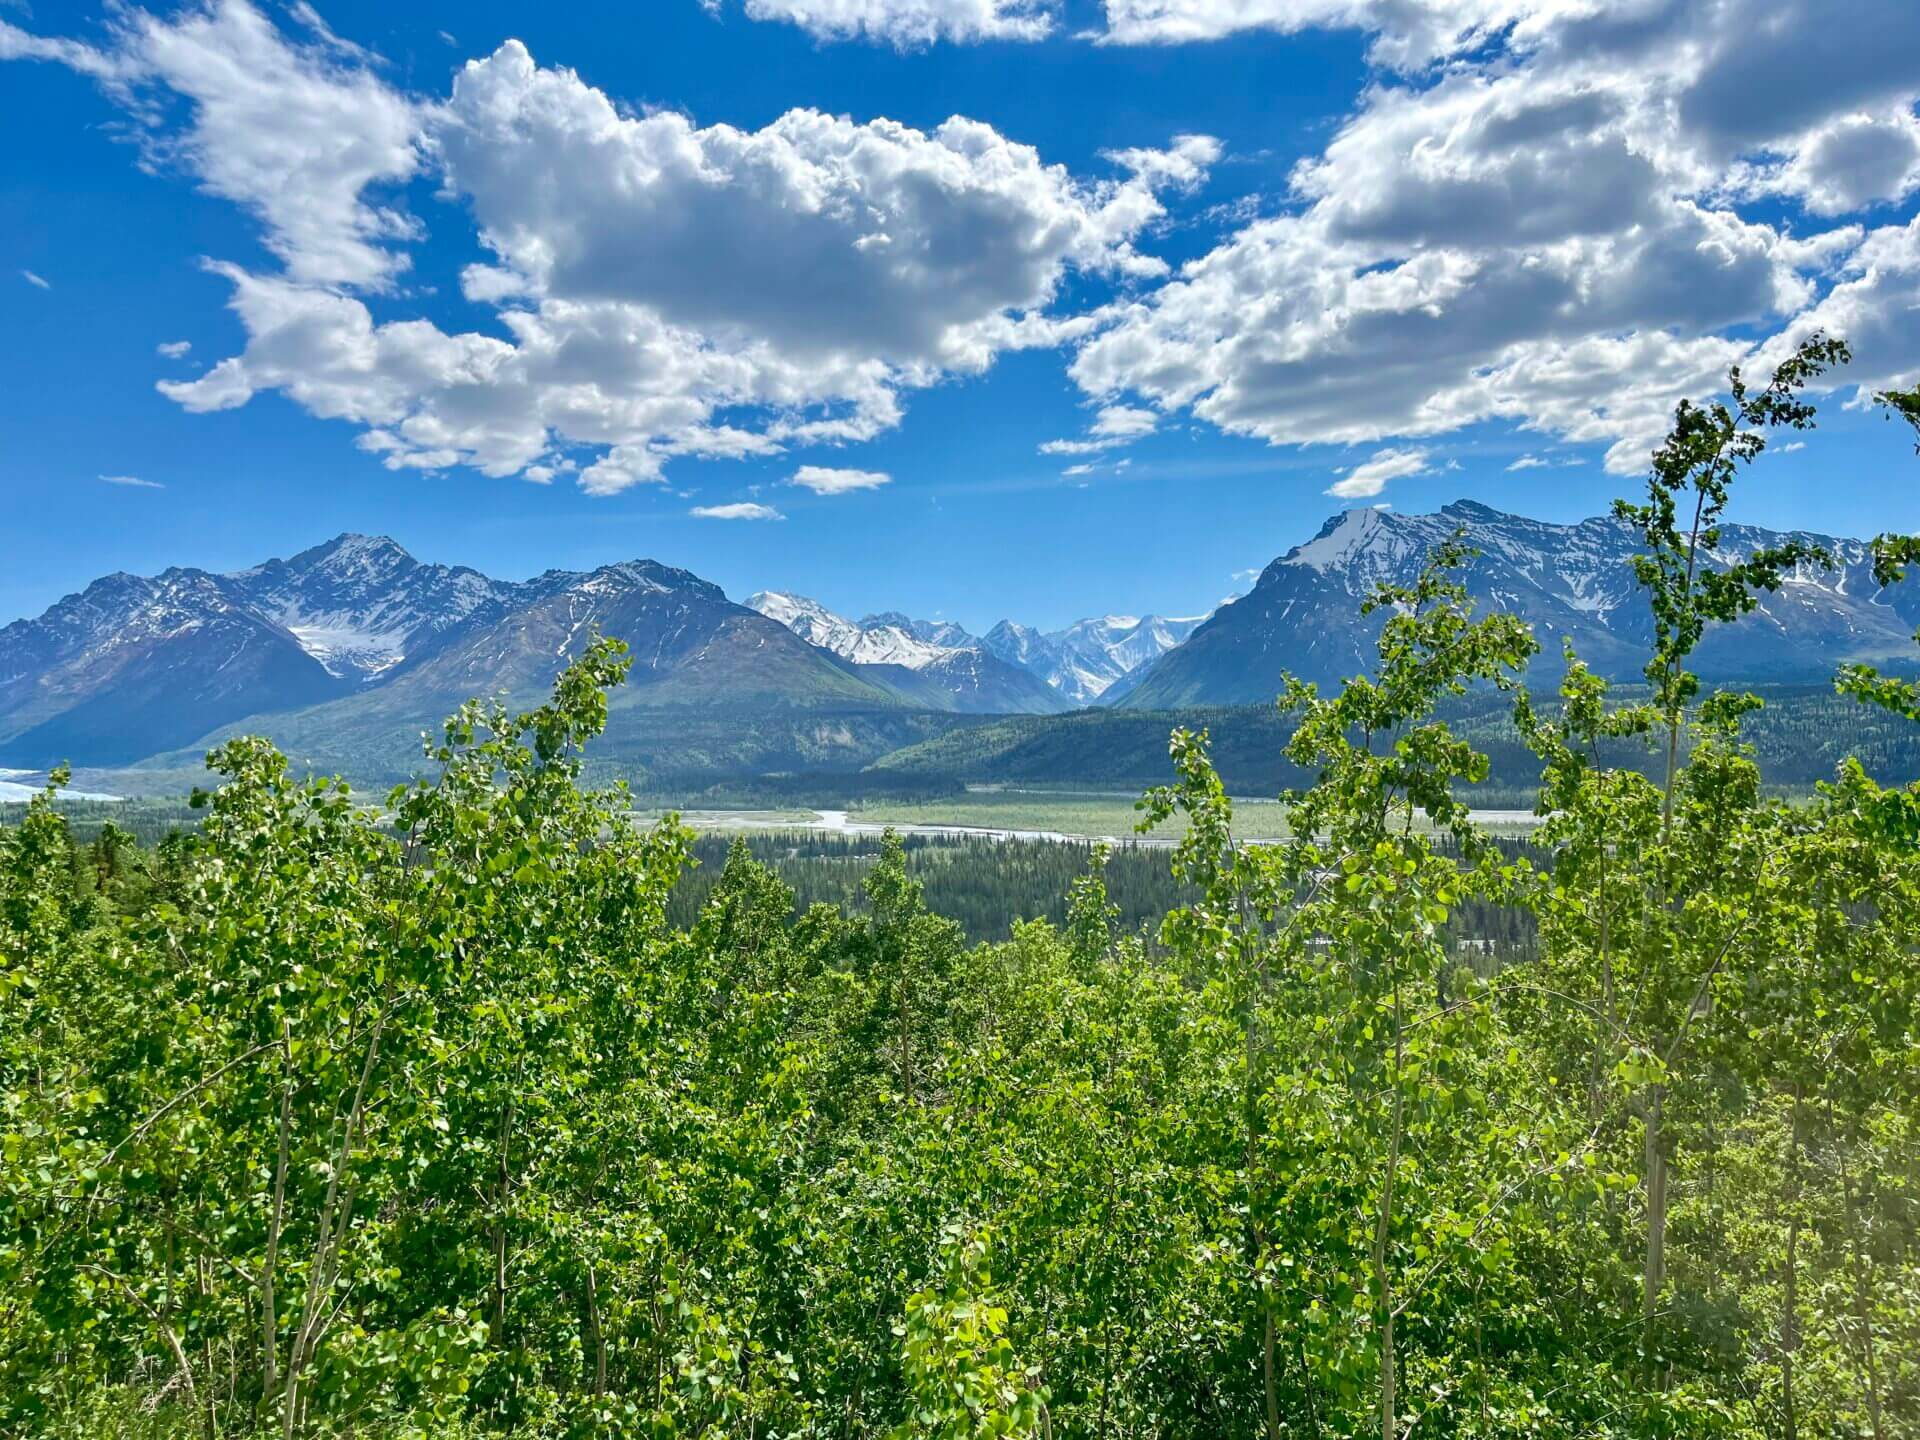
[1801,735]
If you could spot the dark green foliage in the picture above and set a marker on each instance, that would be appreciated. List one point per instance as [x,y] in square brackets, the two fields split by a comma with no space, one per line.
[989,886]
[1800,738]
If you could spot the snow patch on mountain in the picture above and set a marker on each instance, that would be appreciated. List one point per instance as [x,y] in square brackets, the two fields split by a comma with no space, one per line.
[361,605]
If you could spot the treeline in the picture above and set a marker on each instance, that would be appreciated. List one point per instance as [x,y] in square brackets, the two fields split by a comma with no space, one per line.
[430,1119]
[1800,736]
[144,822]
[988,886]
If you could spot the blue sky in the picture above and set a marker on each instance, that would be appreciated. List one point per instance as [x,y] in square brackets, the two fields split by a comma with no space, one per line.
[1112,294]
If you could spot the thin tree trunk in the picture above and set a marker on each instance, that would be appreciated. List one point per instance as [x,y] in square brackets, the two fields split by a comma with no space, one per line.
[1273,1398]
[269,1320]
[1862,1310]
[326,1244]
[1654,1277]
[1306,1384]
[1383,1285]
[497,1306]
[599,1335]
[1790,1299]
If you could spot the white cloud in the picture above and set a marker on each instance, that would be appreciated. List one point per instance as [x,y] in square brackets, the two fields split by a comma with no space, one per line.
[1114,425]
[1073,470]
[174,349]
[823,480]
[1539,213]
[1850,164]
[1408,32]
[641,267]
[39,282]
[17,44]
[740,510]
[132,482]
[1528,462]
[1370,477]
[908,23]
[1545,230]
[707,227]
[296,133]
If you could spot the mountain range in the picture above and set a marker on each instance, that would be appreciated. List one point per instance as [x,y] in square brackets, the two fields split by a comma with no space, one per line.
[358,632]
[1570,582]
[345,652]
[1012,669]
[1093,662]
[938,663]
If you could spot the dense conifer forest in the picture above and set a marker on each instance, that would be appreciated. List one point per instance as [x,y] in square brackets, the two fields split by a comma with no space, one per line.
[469,1114]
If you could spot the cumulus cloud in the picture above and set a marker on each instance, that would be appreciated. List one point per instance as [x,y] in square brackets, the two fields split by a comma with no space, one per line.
[739,510]
[1545,231]
[823,480]
[1541,212]
[174,349]
[640,267]
[1850,164]
[1370,477]
[39,282]
[909,23]
[131,482]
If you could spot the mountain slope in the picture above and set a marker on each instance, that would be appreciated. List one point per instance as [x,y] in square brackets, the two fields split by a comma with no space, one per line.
[354,647]
[715,690]
[132,665]
[1568,581]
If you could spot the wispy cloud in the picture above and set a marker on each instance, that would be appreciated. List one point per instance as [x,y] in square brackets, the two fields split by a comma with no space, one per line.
[824,480]
[132,482]
[1114,426]
[175,349]
[1528,462]
[741,510]
[1370,477]
[38,281]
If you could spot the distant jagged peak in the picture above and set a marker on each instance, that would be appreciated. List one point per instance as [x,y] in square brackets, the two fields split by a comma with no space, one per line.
[649,575]
[887,637]
[349,553]
[1089,658]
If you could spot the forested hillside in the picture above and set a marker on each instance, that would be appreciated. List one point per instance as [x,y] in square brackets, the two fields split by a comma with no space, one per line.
[1800,734]
[457,1116]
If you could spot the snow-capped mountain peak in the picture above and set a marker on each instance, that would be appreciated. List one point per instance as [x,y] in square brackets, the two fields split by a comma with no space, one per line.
[360,604]
[1568,581]
[883,639]
[1090,660]
[946,661]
